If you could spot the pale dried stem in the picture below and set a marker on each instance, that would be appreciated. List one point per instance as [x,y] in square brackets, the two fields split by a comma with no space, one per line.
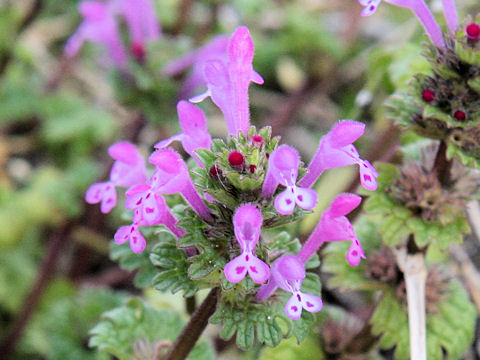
[415,274]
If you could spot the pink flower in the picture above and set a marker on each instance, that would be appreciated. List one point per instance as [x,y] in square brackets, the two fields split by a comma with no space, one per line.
[288,273]
[334,226]
[133,235]
[247,222]
[215,49]
[128,170]
[98,26]
[420,9]
[172,177]
[228,82]
[150,208]
[195,135]
[141,21]
[336,150]
[283,170]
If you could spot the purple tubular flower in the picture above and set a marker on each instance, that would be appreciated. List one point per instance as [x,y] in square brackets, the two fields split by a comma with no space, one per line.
[127,170]
[247,223]
[141,20]
[288,273]
[98,26]
[336,150]
[195,135]
[150,209]
[334,226]
[172,177]
[133,235]
[420,9]
[228,82]
[216,49]
[450,11]
[283,169]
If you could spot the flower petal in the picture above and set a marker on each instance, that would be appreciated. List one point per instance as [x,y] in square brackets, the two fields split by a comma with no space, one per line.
[135,196]
[150,209]
[236,269]
[370,8]
[95,193]
[305,198]
[293,308]
[343,204]
[345,133]
[247,223]
[355,253]
[258,270]
[109,199]
[122,235]
[368,175]
[164,143]
[285,202]
[311,302]
[137,241]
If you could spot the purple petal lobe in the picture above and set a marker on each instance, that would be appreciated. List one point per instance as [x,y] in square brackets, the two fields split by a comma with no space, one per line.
[305,198]
[258,270]
[311,302]
[236,269]
[285,202]
[293,308]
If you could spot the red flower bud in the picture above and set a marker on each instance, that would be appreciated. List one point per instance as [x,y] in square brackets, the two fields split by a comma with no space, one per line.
[236,159]
[460,115]
[428,95]
[473,31]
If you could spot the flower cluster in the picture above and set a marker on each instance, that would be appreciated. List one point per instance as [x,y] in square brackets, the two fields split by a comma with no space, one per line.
[257,174]
[100,26]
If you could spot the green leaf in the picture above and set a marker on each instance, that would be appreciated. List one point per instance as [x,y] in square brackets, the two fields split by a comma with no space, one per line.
[289,349]
[140,324]
[59,329]
[450,329]
[131,261]
[172,267]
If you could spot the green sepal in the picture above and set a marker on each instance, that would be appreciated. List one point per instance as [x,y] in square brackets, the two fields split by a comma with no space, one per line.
[207,157]
[244,182]
[475,84]
[467,53]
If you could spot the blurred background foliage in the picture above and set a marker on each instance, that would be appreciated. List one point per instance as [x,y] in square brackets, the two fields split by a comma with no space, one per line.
[321,62]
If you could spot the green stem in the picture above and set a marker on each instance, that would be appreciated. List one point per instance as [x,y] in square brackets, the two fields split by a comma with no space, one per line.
[191,333]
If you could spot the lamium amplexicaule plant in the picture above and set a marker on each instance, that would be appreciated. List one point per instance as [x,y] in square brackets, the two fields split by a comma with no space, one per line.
[219,219]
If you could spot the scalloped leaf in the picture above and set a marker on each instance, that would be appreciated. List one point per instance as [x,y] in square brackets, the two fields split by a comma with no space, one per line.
[131,261]
[172,267]
[138,323]
[451,329]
